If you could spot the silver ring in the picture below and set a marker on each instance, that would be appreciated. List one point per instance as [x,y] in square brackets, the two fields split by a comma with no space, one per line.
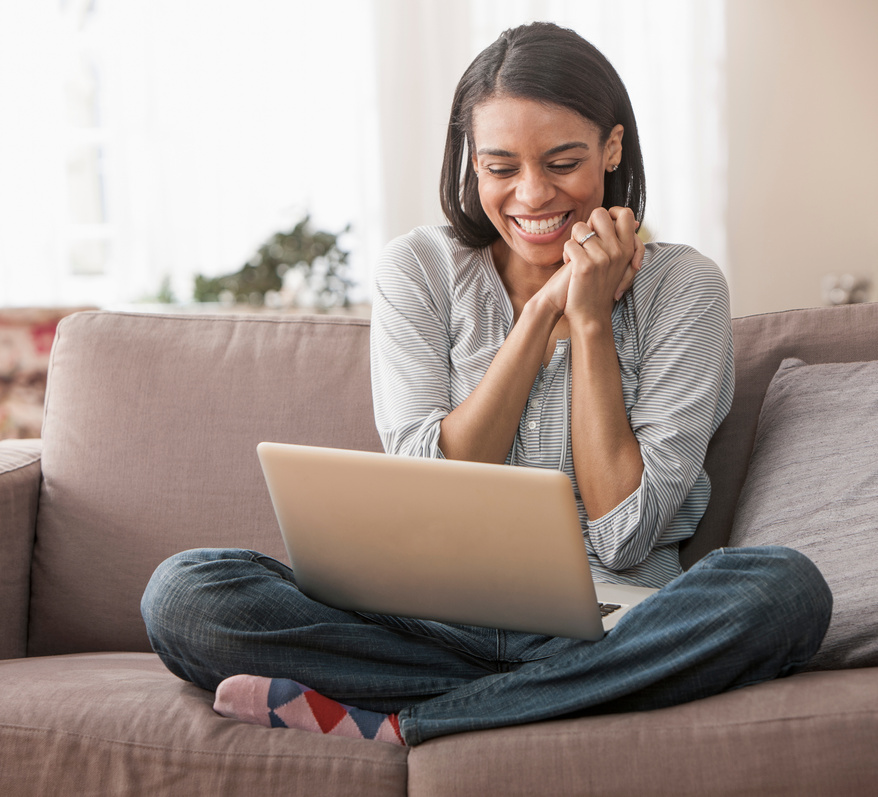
[582,242]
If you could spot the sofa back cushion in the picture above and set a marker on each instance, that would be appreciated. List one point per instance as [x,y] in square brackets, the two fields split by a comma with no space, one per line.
[819,335]
[149,448]
[151,425]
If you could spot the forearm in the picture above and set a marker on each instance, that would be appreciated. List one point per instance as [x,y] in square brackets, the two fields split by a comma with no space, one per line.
[606,454]
[483,427]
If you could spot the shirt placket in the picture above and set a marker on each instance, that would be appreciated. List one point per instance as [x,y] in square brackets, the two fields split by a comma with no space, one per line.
[536,411]
[533,418]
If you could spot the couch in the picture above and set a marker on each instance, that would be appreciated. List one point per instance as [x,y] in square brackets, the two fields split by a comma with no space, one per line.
[148,447]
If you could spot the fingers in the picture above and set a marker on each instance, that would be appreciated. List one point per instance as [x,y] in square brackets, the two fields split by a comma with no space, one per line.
[608,237]
[626,224]
[616,223]
[572,247]
[612,244]
[604,223]
[579,231]
[555,290]
[627,281]
[633,267]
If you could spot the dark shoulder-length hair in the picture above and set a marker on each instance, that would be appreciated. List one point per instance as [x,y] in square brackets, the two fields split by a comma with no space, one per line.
[549,64]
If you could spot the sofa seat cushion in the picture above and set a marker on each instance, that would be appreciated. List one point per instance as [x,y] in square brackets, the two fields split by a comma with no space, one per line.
[813,486]
[120,723]
[812,733]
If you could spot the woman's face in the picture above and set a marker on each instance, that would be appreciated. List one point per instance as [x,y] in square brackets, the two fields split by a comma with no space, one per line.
[541,169]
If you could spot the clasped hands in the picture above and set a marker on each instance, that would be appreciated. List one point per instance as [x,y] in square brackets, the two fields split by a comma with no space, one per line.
[597,272]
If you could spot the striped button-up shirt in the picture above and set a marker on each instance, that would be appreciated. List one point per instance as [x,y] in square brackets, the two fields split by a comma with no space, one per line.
[441,312]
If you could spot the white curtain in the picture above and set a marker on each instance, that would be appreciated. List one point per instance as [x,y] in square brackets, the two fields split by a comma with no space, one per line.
[145,140]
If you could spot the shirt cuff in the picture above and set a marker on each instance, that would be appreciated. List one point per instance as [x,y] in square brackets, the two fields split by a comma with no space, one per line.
[612,534]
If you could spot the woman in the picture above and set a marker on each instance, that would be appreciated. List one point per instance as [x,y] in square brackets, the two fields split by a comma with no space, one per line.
[525,333]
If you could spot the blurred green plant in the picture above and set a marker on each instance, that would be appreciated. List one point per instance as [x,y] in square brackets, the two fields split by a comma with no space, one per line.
[165,294]
[303,267]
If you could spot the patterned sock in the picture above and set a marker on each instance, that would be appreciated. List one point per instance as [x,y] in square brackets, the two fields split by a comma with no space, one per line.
[282,703]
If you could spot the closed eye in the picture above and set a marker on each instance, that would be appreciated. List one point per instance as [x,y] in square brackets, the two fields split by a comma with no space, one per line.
[565,166]
[500,172]
[558,167]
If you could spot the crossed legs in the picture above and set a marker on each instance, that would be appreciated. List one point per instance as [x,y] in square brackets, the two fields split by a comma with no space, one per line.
[739,616]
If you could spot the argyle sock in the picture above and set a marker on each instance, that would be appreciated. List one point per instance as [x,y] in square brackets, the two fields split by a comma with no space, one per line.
[282,703]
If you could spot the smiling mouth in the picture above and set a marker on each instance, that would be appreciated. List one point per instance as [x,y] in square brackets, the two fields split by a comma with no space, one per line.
[542,226]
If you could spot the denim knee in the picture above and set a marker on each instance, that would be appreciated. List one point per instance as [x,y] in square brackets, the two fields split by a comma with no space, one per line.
[157,596]
[805,584]
[170,587]
[185,614]
[786,591]
[788,572]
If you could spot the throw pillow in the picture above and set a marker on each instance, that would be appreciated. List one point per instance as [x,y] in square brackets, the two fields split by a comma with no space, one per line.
[812,485]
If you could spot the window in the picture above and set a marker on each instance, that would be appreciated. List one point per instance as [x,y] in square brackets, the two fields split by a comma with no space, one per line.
[146,141]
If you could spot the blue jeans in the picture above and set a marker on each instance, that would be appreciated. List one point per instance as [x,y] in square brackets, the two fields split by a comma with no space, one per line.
[738,617]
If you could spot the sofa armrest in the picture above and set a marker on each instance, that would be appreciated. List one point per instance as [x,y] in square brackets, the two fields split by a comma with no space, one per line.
[19,495]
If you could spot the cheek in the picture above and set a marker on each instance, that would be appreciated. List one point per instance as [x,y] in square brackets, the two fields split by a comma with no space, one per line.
[592,190]
[490,199]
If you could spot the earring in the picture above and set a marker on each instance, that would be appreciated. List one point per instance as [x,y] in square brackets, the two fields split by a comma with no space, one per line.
[615,167]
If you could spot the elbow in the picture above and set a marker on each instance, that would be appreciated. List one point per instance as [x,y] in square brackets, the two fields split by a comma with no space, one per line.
[622,557]
[625,536]
[414,440]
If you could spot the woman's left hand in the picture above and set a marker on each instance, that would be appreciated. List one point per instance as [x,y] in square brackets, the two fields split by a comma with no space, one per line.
[606,453]
[604,266]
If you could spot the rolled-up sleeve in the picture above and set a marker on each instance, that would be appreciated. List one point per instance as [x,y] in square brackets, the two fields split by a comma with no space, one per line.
[684,386]
[409,355]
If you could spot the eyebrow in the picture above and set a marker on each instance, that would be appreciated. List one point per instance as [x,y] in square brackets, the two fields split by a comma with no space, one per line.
[505,153]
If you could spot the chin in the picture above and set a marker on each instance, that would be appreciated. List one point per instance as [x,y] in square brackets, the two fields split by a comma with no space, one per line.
[548,257]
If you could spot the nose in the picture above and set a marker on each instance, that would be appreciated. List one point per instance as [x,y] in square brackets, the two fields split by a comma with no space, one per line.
[534,188]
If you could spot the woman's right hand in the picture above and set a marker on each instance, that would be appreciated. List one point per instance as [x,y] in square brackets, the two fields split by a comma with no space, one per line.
[554,293]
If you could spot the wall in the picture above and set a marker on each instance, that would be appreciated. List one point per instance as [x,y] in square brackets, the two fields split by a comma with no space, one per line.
[803,161]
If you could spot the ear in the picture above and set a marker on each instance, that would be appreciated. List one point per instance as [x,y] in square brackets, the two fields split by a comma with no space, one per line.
[613,148]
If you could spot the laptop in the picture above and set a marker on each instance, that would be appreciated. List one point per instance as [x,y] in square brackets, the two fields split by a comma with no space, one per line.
[458,542]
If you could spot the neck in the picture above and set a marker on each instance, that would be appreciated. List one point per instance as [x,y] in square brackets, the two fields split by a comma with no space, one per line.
[521,280]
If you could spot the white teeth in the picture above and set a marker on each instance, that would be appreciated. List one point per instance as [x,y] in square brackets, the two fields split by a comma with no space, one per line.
[542,226]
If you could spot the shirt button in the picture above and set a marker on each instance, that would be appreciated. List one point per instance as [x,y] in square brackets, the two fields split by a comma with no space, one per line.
[532,425]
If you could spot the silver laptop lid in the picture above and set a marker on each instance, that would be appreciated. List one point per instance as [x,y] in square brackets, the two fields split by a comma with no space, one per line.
[459,542]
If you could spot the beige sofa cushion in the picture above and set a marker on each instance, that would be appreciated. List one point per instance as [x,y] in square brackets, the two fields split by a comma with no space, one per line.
[149,448]
[154,734]
[812,734]
[121,724]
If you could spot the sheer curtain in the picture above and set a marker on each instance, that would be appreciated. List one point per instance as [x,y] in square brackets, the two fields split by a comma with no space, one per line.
[213,126]
[146,141]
